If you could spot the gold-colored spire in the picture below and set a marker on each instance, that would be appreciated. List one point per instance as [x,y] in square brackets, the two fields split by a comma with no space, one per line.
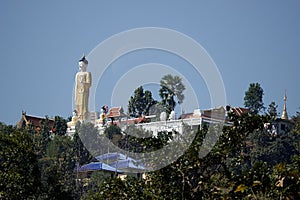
[284,112]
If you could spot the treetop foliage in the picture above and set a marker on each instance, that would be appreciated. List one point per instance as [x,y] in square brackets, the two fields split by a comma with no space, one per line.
[171,87]
[254,98]
[140,103]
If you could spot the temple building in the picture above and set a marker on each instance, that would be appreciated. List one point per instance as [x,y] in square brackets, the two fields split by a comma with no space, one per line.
[27,120]
[280,125]
[283,124]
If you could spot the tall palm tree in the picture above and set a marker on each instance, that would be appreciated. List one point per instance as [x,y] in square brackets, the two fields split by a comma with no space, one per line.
[171,86]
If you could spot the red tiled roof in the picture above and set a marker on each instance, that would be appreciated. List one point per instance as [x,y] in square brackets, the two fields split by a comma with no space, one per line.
[115,112]
[239,111]
[34,120]
[186,115]
[217,113]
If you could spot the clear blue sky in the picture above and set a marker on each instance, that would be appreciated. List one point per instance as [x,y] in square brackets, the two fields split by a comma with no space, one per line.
[42,41]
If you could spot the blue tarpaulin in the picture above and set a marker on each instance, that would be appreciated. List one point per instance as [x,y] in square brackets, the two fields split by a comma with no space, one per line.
[111,157]
[96,166]
[121,161]
[128,165]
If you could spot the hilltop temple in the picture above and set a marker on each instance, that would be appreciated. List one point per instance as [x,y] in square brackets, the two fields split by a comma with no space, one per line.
[153,123]
[116,115]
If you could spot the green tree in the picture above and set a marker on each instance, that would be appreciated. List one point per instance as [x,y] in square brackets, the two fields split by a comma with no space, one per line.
[44,134]
[80,152]
[115,188]
[285,180]
[254,98]
[296,120]
[57,167]
[90,137]
[272,110]
[113,131]
[240,166]
[140,103]
[20,174]
[272,150]
[60,125]
[171,87]
[149,101]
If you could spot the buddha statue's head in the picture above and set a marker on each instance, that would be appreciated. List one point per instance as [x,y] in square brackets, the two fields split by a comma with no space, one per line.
[83,63]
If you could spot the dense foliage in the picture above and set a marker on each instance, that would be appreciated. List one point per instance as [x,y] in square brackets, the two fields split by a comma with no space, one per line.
[40,163]
[140,103]
[171,87]
[20,174]
[246,163]
[254,98]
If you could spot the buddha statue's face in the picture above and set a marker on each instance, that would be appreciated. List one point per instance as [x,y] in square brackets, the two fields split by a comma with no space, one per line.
[82,66]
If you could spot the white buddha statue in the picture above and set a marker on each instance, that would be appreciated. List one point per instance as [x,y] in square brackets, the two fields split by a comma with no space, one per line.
[163,116]
[83,82]
[172,115]
[74,120]
[102,120]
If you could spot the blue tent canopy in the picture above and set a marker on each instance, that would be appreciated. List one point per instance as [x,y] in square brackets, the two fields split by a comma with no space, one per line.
[96,166]
[128,166]
[110,157]
[121,161]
